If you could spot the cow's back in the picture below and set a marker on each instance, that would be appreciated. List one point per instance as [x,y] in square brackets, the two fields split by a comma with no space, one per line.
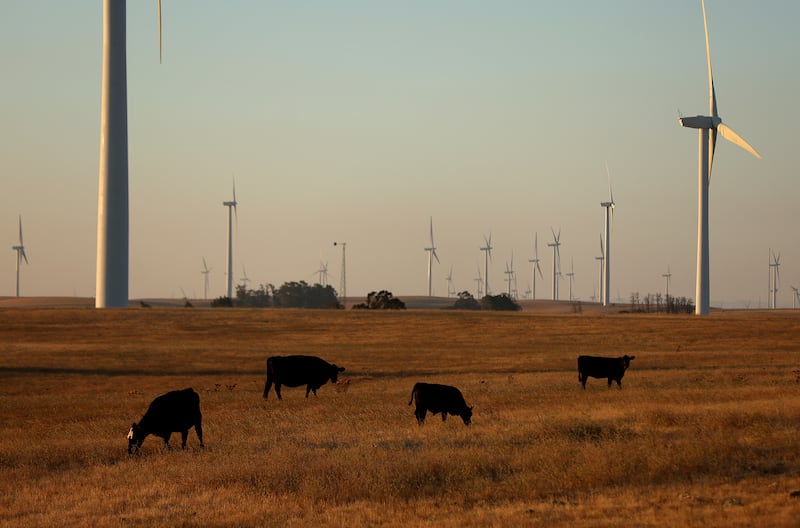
[179,408]
[294,371]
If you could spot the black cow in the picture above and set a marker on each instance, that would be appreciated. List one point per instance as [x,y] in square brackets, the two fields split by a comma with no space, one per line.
[439,399]
[294,371]
[173,412]
[603,367]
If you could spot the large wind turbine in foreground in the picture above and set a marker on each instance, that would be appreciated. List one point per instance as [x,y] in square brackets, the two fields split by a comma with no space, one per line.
[231,205]
[111,286]
[20,249]
[431,255]
[708,126]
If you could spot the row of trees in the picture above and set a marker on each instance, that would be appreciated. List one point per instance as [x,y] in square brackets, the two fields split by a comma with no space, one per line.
[657,303]
[289,295]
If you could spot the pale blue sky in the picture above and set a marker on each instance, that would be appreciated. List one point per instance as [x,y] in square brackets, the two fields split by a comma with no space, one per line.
[357,120]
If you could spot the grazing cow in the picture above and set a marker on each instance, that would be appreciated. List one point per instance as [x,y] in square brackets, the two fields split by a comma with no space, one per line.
[439,399]
[603,367]
[173,412]
[294,371]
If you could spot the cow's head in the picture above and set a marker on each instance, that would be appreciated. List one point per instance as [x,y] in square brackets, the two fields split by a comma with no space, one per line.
[335,373]
[135,439]
[626,361]
[467,416]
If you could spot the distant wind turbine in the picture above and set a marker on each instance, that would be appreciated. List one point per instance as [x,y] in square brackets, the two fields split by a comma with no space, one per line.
[487,249]
[609,207]
[20,249]
[479,283]
[111,283]
[323,273]
[245,279]
[343,276]
[556,260]
[774,265]
[571,276]
[796,297]
[450,289]
[510,273]
[667,276]
[231,205]
[535,267]
[601,259]
[431,255]
[205,272]
[708,127]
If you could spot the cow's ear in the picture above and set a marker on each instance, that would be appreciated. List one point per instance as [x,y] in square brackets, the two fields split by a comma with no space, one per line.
[632,357]
[341,369]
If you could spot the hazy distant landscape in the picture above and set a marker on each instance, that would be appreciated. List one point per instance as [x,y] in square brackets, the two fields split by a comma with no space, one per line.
[704,430]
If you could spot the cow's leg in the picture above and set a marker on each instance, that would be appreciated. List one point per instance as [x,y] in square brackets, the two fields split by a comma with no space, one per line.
[619,384]
[278,390]
[420,413]
[582,379]
[268,386]
[166,439]
[198,428]
[184,436]
[609,382]
[444,416]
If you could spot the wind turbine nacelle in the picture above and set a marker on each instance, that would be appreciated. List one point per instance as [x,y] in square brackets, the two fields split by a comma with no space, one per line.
[699,122]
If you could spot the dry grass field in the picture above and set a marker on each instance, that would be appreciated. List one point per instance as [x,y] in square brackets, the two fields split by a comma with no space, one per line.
[704,431]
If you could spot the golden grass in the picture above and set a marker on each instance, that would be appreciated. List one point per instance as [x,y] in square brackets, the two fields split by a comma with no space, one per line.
[704,431]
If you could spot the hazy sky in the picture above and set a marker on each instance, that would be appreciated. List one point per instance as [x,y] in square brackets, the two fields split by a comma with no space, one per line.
[356,121]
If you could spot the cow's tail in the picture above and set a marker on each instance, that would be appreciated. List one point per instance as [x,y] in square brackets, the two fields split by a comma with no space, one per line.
[413,391]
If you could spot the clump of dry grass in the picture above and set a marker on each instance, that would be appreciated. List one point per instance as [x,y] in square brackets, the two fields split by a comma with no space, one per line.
[705,434]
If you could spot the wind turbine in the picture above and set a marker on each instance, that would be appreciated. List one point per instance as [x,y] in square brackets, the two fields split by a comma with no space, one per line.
[479,281]
[323,273]
[535,262]
[776,277]
[609,207]
[20,249]
[231,205]
[245,279]
[510,272]
[708,127]
[487,249]
[450,289]
[431,255]
[796,297]
[205,272]
[667,277]
[601,259]
[571,276]
[556,261]
[111,281]
[343,277]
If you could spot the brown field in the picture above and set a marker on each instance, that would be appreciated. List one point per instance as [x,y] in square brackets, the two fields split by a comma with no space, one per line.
[704,431]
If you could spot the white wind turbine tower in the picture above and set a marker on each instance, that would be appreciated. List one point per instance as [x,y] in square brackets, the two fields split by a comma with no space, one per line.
[231,205]
[708,126]
[535,267]
[20,249]
[111,282]
[431,255]
[667,277]
[571,276]
[795,297]
[205,272]
[775,262]
[323,273]
[487,249]
[556,261]
[601,259]
[609,207]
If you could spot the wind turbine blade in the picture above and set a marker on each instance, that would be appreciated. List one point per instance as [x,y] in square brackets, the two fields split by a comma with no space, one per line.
[602,250]
[432,232]
[436,256]
[20,230]
[159,31]
[728,133]
[712,96]
[539,269]
[22,252]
